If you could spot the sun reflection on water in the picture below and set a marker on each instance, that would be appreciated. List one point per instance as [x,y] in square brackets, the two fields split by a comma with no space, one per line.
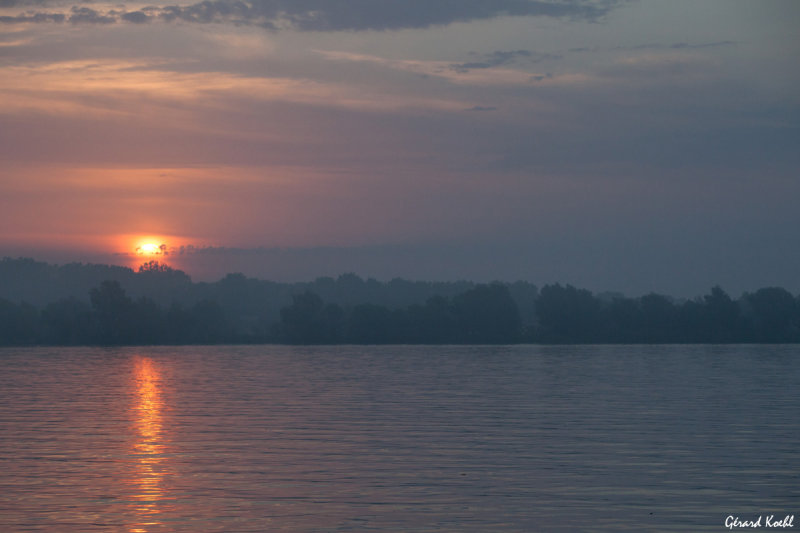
[149,446]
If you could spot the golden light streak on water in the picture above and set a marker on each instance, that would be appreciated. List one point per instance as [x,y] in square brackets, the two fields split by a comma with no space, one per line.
[149,447]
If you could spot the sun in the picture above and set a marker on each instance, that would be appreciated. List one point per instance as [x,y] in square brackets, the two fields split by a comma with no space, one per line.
[151,248]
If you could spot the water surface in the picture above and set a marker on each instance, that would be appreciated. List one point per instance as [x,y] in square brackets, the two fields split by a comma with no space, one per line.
[523,438]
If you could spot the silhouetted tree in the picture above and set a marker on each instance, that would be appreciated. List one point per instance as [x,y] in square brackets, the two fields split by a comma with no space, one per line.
[774,315]
[372,324]
[487,315]
[209,325]
[525,295]
[19,324]
[179,325]
[147,323]
[351,289]
[154,267]
[659,319]
[113,313]
[567,314]
[432,323]
[309,321]
[68,322]
[623,321]
[722,319]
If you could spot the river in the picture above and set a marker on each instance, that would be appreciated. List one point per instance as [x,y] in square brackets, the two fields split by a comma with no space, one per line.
[398,438]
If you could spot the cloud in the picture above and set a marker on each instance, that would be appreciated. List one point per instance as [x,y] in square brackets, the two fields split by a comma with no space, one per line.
[22,3]
[136,17]
[495,59]
[485,76]
[327,15]
[655,46]
[500,58]
[33,18]
[680,46]
[357,15]
[86,15]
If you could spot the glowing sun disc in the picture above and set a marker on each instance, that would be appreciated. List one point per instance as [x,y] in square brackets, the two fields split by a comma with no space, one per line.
[149,248]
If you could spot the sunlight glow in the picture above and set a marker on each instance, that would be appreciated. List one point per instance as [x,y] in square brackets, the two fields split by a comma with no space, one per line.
[151,248]
[149,448]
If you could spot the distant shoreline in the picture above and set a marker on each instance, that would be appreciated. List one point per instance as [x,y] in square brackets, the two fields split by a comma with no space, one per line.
[99,305]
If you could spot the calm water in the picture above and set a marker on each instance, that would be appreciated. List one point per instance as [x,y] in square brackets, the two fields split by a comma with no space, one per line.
[268,438]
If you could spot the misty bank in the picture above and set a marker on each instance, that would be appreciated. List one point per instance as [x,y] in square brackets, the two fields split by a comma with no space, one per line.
[160,305]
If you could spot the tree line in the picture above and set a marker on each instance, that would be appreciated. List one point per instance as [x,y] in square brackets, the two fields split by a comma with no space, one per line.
[479,314]
[571,315]
[483,314]
[245,300]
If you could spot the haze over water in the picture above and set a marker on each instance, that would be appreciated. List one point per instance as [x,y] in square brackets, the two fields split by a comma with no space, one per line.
[472,438]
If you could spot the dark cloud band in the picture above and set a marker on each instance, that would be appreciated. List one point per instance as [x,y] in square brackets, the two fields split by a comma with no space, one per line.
[323,15]
[500,57]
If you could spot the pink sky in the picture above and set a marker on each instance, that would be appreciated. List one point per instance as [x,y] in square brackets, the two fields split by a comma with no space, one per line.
[626,146]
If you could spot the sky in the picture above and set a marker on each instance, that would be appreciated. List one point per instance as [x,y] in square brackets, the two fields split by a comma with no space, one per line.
[616,145]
